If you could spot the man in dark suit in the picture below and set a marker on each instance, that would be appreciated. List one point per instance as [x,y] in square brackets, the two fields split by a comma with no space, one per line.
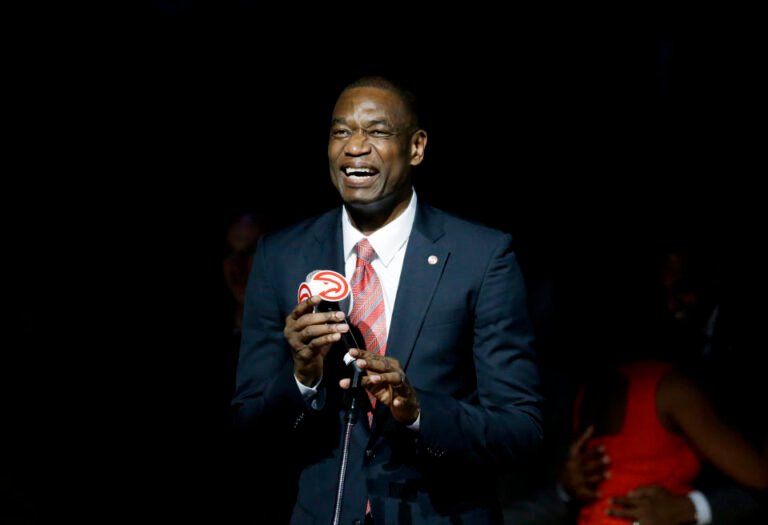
[456,395]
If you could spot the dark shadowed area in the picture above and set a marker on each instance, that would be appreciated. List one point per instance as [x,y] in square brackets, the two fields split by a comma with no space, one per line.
[140,136]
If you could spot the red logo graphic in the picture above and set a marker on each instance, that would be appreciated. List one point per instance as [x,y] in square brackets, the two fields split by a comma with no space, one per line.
[331,286]
[304,292]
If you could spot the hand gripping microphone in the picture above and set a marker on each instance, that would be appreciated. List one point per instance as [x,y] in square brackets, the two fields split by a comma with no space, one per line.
[333,287]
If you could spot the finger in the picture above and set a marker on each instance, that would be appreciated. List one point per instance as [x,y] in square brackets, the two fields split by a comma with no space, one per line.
[595,463]
[380,364]
[591,464]
[585,436]
[318,343]
[393,379]
[304,314]
[644,491]
[345,383]
[359,353]
[623,502]
[371,359]
[320,318]
[582,440]
[304,307]
[621,512]
[596,453]
[319,330]
[596,479]
[404,389]
[402,402]
[405,399]
[368,360]
[373,382]
[593,473]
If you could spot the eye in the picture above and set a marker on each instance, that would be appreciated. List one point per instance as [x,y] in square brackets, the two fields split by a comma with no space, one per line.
[340,133]
[380,133]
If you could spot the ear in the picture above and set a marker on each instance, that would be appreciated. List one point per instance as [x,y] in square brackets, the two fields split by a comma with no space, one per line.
[418,145]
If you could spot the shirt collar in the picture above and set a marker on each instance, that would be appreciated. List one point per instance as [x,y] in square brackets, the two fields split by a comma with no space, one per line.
[387,240]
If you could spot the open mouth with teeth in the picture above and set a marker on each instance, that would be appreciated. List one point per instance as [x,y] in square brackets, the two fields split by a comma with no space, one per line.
[359,172]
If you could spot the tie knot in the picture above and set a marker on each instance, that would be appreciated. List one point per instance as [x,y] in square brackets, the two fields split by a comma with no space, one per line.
[364,250]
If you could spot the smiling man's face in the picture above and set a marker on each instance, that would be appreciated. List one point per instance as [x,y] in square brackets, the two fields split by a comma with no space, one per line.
[373,144]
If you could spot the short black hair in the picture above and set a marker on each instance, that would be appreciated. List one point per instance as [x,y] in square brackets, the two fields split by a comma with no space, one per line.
[381,82]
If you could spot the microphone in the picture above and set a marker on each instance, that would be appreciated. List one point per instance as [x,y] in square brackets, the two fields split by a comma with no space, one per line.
[333,287]
[357,372]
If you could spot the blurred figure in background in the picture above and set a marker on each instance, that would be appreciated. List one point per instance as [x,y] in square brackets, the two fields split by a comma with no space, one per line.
[242,235]
[653,428]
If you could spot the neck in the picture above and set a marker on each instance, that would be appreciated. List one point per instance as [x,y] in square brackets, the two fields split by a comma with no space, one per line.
[370,217]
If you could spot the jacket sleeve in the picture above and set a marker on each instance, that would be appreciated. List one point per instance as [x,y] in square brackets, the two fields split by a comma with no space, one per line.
[266,395]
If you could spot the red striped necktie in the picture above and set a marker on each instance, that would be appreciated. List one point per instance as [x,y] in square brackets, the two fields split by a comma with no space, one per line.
[368,312]
[368,309]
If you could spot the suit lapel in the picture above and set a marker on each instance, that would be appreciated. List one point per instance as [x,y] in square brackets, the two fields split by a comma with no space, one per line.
[423,266]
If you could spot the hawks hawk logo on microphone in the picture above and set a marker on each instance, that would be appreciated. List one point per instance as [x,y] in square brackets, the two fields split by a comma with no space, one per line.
[330,285]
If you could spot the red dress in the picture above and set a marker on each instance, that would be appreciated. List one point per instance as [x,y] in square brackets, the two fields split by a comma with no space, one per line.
[643,452]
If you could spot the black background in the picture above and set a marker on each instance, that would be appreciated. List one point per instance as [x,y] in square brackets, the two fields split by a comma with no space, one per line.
[137,135]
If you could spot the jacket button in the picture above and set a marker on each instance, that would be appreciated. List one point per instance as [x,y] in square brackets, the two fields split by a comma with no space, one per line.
[357,522]
[369,453]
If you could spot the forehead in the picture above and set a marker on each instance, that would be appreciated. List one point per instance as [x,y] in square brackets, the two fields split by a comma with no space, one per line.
[370,103]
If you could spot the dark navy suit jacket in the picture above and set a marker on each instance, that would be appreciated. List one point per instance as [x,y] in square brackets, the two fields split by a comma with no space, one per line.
[459,328]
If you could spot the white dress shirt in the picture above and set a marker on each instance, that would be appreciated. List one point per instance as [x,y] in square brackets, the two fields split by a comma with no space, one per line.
[389,243]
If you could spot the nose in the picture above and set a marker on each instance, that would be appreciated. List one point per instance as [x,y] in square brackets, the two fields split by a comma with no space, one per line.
[357,144]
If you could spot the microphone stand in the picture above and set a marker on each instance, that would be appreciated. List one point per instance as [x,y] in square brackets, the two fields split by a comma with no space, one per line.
[356,399]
